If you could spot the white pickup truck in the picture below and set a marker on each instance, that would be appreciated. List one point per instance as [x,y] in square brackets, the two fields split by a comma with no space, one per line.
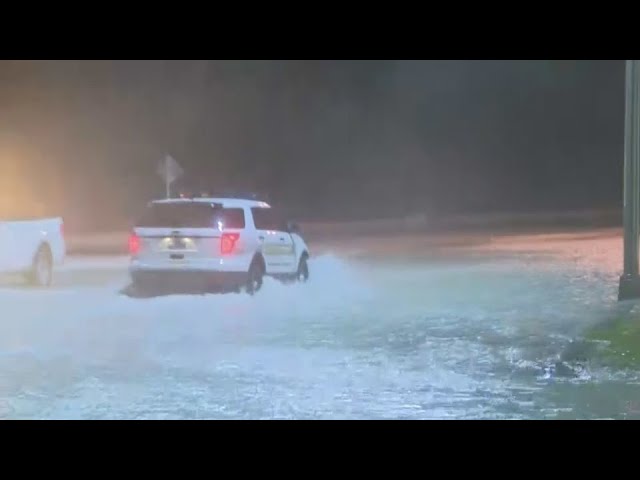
[32,247]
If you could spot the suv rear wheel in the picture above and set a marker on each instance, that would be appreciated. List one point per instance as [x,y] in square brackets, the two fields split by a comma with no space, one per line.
[254,278]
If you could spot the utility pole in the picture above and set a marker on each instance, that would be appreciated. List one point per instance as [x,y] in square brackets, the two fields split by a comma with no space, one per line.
[630,280]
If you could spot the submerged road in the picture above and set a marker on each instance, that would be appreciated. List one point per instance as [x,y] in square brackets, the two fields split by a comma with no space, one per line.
[392,327]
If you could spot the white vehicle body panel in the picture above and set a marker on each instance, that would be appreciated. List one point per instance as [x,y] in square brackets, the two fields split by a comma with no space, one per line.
[21,239]
[201,250]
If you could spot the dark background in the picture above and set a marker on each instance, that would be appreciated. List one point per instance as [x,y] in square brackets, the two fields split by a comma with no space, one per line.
[332,140]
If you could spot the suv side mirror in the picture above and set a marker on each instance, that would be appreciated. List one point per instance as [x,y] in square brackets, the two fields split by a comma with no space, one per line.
[293,227]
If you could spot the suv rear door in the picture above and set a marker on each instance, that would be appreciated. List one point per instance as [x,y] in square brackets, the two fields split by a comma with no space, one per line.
[278,248]
[185,233]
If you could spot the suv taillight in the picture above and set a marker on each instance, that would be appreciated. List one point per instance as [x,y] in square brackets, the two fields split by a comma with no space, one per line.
[228,242]
[134,244]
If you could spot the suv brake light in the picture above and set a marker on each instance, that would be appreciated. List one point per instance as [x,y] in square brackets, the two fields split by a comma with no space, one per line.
[134,244]
[228,242]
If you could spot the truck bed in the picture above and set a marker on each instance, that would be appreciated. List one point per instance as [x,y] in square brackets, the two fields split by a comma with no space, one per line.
[20,240]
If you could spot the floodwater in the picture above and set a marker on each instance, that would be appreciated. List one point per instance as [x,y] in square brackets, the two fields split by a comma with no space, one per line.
[393,328]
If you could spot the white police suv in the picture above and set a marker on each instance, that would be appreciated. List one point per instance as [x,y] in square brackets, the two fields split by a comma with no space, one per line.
[206,244]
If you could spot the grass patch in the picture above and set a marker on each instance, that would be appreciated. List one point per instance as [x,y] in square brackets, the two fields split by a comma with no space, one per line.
[618,342]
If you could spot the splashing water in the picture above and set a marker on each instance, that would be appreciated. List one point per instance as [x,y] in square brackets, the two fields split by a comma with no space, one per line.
[470,339]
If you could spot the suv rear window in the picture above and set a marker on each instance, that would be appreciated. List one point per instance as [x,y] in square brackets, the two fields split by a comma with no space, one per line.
[191,215]
[230,217]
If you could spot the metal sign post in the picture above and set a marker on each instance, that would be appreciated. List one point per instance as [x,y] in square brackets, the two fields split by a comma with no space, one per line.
[630,281]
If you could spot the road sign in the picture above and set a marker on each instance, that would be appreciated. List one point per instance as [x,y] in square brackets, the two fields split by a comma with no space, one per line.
[170,171]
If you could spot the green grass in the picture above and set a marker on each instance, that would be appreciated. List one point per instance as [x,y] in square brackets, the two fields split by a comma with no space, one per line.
[618,342]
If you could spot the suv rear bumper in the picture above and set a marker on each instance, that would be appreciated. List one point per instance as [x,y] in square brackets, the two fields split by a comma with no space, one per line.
[186,281]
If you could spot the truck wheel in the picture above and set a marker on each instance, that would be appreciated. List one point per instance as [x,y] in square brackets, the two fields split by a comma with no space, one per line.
[254,278]
[41,274]
[303,270]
